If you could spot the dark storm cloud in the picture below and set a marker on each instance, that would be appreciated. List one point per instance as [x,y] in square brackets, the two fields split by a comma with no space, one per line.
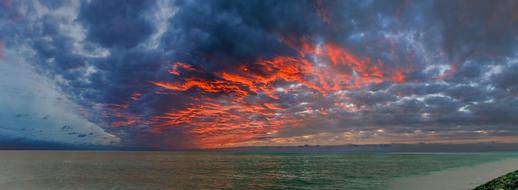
[469,71]
[116,23]
[478,28]
[508,79]
[123,73]
[466,93]
[497,112]
[457,59]
[218,34]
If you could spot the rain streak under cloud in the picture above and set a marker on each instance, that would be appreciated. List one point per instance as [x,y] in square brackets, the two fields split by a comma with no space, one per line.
[206,74]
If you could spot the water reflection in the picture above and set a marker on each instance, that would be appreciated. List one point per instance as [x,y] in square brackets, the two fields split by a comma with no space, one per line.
[200,170]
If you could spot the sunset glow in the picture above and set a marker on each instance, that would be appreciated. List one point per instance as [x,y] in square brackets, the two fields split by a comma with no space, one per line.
[210,74]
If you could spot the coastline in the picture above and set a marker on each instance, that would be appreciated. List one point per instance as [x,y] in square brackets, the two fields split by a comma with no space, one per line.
[463,178]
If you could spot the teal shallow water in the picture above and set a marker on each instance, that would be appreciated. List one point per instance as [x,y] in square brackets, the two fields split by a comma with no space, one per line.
[209,170]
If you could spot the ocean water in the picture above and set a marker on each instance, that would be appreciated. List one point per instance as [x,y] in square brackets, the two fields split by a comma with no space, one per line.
[210,170]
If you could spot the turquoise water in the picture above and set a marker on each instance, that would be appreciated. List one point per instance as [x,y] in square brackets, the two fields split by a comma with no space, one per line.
[202,170]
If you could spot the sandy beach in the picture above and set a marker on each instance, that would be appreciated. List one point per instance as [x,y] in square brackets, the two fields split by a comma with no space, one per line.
[462,178]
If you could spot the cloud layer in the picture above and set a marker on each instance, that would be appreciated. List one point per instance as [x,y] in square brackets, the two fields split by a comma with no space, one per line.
[177,74]
[34,110]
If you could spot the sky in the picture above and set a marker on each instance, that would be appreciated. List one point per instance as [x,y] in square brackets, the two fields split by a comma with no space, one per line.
[175,74]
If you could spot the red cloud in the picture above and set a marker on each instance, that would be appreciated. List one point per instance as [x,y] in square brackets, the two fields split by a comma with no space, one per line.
[231,118]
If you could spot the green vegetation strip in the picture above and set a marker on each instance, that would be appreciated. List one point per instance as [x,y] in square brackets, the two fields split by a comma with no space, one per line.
[506,182]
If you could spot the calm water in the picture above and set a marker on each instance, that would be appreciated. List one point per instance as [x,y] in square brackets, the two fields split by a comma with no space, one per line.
[200,170]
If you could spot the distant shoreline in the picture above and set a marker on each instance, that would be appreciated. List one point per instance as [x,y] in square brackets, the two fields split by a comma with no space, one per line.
[425,148]
[421,147]
[463,178]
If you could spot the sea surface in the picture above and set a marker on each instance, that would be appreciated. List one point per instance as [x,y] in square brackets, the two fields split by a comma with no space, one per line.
[218,170]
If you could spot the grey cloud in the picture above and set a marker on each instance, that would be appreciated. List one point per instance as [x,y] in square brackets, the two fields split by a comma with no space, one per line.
[478,28]
[116,23]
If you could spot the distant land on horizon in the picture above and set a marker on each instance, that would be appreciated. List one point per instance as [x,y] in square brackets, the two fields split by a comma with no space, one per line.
[421,147]
[305,148]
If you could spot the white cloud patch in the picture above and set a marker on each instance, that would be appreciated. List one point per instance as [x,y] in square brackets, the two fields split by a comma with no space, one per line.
[32,107]
[159,16]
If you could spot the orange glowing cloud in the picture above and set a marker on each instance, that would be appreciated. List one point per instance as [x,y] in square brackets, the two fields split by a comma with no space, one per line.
[214,122]
[368,71]
[175,69]
[119,117]
[398,76]
[230,118]
[136,95]
[205,86]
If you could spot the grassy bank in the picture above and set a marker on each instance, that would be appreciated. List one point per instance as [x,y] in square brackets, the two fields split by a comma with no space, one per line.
[506,182]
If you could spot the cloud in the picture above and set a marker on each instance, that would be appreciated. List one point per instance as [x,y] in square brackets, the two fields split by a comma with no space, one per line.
[478,28]
[508,79]
[226,73]
[33,108]
[116,23]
